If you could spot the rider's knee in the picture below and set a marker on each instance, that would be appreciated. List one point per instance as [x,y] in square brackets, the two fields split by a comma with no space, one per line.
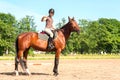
[51,35]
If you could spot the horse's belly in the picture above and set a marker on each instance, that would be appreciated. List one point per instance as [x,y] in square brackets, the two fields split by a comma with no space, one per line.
[40,45]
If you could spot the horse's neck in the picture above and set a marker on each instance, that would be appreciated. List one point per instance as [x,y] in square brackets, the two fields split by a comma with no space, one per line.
[66,32]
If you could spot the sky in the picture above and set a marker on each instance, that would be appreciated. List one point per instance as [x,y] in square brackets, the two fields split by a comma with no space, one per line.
[80,9]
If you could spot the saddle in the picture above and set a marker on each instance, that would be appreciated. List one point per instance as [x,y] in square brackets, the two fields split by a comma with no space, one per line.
[44,36]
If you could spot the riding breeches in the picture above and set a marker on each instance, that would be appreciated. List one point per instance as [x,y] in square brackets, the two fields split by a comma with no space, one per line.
[48,30]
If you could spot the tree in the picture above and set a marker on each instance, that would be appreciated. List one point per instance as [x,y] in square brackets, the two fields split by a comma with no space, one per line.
[113,27]
[95,36]
[7,34]
[26,24]
[10,28]
[99,35]
[60,24]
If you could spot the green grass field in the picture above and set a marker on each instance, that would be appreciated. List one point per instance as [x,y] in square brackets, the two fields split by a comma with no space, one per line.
[77,56]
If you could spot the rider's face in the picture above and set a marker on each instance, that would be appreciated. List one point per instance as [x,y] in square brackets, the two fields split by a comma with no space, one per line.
[51,14]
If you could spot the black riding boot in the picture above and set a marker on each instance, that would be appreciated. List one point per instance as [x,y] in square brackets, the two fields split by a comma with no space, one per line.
[50,43]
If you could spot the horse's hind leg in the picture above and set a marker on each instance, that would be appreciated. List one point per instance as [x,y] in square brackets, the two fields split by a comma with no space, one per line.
[17,60]
[16,66]
[25,61]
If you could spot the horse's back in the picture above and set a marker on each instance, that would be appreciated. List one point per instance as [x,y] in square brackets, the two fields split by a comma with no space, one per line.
[26,38]
[26,34]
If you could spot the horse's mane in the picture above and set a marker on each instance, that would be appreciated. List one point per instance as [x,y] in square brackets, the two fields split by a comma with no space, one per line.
[64,25]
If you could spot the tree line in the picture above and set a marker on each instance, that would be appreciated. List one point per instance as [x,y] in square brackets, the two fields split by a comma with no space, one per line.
[95,36]
[10,27]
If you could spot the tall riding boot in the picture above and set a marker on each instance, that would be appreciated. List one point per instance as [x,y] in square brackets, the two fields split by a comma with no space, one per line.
[50,43]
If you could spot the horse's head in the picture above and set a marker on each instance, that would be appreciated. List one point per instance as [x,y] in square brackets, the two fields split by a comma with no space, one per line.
[73,25]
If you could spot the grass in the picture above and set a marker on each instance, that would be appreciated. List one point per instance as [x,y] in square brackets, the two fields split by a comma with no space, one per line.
[77,56]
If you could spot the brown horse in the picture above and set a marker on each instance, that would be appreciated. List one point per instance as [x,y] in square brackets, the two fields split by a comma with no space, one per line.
[30,39]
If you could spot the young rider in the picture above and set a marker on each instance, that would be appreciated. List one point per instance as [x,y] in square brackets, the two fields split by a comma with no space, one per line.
[49,25]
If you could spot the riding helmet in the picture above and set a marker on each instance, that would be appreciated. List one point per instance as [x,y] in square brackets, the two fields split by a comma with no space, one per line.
[51,10]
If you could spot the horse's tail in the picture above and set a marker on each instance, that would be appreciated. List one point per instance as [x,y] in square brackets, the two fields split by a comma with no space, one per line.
[16,45]
[16,59]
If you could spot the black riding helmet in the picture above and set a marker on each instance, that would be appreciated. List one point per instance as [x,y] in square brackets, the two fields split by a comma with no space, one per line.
[51,10]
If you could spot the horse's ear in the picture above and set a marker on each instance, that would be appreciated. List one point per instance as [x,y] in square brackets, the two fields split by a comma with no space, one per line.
[69,18]
[73,18]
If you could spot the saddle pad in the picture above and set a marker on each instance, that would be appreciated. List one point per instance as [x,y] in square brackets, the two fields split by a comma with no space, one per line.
[44,36]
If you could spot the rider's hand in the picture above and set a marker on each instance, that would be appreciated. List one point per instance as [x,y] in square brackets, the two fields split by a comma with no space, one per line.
[44,18]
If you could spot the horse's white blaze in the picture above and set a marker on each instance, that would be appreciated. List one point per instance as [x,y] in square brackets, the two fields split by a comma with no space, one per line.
[16,72]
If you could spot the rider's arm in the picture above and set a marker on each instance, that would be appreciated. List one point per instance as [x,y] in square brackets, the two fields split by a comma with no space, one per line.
[44,18]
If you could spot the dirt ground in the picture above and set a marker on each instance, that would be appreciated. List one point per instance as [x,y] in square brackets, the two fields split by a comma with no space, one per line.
[81,69]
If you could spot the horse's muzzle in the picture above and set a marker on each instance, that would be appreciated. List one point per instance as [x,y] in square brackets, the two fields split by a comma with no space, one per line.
[78,31]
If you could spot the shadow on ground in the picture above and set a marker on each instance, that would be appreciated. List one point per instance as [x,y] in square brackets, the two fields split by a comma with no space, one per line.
[21,73]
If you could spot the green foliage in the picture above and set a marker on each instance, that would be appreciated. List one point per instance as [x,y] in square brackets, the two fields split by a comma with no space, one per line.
[26,24]
[60,24]
[10,28]
[7,34]
[96,36]
[31,52]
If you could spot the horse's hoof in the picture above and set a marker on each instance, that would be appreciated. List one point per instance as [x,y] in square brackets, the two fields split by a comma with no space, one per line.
[27,72]
[16,73]
[55,74]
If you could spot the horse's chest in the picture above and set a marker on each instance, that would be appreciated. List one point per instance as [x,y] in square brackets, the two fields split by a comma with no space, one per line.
[60,43]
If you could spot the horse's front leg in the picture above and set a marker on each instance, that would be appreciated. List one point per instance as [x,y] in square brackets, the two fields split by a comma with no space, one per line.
[56,62]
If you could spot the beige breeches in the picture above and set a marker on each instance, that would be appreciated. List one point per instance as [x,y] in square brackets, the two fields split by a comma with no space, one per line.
[48,30]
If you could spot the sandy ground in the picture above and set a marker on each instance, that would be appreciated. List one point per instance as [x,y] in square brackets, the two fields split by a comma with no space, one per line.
[104,69]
